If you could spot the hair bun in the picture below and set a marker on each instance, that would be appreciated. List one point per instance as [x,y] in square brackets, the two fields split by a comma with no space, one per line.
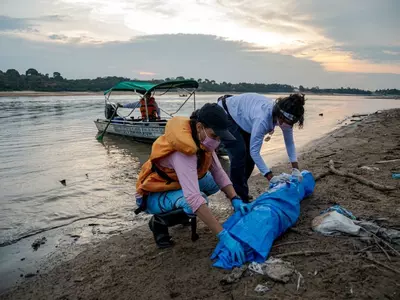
[298,98]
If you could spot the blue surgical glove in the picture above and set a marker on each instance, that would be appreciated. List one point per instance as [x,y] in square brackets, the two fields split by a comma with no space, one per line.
[235,249]
[238,205]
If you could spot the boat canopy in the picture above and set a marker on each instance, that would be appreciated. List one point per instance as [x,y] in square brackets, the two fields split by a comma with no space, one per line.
[143,87]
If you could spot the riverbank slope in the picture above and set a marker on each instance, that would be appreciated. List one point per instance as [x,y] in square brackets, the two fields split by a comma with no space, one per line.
[129,266]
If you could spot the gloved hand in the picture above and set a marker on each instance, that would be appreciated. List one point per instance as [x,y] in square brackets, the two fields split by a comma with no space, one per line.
[238,205]
[235,249]
[297,173]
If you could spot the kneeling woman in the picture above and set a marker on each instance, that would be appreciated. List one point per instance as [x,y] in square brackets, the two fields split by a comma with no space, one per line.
[183,169]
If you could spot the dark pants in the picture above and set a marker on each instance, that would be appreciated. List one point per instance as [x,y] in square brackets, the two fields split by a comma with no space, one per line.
[241,163]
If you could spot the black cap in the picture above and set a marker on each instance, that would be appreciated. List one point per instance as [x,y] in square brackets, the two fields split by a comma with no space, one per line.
[214,116]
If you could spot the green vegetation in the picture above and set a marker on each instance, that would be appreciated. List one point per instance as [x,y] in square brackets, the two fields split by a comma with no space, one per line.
[32,80]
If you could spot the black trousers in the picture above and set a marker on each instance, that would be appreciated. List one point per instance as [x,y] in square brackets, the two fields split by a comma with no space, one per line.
[241,163]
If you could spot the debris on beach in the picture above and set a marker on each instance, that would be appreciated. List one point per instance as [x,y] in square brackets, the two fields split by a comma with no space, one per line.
[29,275]
[359,115]
[337,220]
[38,242]
[74,236]
[369,168]
[234,276]
[262,288]
[275,268]
[334,223]
[321,114]
[63,182]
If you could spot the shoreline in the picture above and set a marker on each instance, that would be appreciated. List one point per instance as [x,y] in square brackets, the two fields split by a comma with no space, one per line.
[130,266]
[89,93]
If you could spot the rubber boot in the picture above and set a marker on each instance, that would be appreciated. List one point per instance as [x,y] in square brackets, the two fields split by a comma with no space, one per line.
[159,226]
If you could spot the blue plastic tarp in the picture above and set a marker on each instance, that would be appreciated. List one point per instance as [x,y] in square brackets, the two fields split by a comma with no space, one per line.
[270,215]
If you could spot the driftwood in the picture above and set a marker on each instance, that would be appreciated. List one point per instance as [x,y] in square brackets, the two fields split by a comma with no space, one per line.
[382,265]
[324,156]
[367,182]
[311,252]
[291,243]
[383,250]
[382,240]
[322,175]
[303,253]
[388,161]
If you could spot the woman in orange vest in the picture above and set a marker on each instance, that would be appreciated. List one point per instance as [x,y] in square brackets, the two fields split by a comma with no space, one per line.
[152,108]
[183,169]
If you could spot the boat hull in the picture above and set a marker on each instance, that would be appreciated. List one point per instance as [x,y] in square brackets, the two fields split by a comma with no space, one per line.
[140,131]
[143,131]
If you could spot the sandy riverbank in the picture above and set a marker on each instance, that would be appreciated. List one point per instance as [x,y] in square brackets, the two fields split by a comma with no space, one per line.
[129,266]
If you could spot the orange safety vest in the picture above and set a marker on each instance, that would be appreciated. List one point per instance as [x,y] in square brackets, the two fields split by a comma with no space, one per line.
[151,108]
[177,137]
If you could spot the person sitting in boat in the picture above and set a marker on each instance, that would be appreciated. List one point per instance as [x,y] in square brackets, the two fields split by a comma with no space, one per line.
[182,171]
[154,111]
[152,108]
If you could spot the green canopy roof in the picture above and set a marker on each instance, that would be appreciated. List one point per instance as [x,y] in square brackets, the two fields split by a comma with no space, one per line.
[143,87]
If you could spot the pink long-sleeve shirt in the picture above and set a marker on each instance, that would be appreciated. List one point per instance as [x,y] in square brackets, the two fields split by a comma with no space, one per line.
[185,167]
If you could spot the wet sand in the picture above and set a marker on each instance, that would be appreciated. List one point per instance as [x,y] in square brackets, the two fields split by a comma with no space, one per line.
[129,266]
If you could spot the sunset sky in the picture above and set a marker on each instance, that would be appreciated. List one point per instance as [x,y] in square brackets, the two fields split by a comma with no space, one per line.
[326,43]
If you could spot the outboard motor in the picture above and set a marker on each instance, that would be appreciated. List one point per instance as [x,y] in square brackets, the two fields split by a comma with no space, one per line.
[109,111]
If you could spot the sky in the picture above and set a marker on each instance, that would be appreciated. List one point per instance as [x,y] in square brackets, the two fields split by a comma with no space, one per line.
[325,43]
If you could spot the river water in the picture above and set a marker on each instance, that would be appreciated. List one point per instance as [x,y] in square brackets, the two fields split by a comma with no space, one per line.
[44,140]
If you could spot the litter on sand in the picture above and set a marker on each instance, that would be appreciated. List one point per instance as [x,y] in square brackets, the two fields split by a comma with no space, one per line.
[334,223]
[234,276]
[260,288]
[337,220]
[340,210]
[275,268]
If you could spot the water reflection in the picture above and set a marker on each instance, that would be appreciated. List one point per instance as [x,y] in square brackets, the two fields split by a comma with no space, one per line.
[127,146]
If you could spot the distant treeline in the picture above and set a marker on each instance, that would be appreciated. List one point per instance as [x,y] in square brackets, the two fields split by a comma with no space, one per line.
[32,80]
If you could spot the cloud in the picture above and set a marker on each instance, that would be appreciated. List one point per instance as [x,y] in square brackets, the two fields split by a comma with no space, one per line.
[8,23]
[197,56]
[29,25]
[58,37]
[338,35]
[144,73]
[391,52]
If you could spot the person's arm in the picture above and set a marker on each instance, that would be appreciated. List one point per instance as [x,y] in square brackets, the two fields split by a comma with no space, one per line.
[132,105]
[221,178]
[205,214]
[256,140]
[290,146]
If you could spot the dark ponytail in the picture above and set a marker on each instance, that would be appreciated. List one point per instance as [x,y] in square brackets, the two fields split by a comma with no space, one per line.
[194,118]
[294,105]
